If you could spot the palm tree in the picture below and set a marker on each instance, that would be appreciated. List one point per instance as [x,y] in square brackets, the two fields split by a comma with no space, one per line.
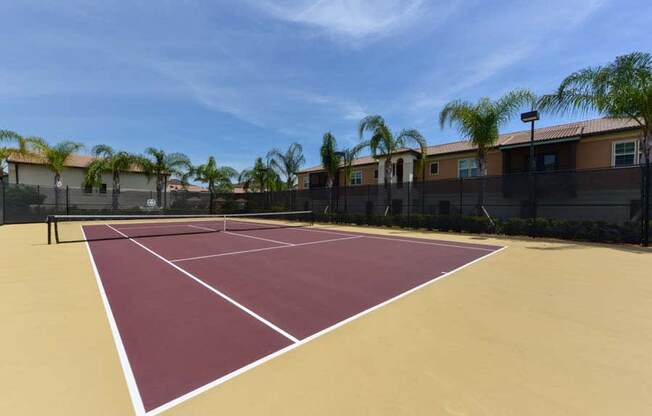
[383,144]
[17,145]
[481,121]
[261,178]
[288,163]
[622,88]
[55,157]
[109,161]
[157,163]
[217,178]
[348,157]
[330,161]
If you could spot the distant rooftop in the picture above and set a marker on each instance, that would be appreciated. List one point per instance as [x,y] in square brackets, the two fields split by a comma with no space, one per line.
[73,161]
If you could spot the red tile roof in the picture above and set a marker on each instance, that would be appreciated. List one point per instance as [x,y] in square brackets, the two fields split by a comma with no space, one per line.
[73,161]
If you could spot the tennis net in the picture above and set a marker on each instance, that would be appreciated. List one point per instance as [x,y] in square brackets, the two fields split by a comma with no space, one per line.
[67,228]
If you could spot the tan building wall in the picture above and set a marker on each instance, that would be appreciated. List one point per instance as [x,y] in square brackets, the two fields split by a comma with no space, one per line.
[591,153]
[448,165]
[368,174]
[597,152]
[29,174]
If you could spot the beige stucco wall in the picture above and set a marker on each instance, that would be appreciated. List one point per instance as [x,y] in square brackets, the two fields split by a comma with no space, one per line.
[596,152]
[448,164]
[74,177]
[367,174]
[592,152]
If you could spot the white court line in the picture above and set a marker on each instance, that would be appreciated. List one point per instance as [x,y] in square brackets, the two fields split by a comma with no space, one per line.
[425,241]
[132,386]
[139,227]
[312,337]
[231,253]
[259,238]
[201,228]
[212,289]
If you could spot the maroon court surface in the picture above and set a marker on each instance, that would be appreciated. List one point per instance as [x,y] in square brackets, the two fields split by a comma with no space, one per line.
[194,307]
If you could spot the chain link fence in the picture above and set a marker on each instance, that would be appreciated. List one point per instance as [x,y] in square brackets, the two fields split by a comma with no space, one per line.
[606,196]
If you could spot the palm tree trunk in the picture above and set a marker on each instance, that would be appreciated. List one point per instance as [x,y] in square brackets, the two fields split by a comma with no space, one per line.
[423,189]
[211,186]
[483,181]
[330,194]
[116,190]
[388,183]
[159,187]
[57,177]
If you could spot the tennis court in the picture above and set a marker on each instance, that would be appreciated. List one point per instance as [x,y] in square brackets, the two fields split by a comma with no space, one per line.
[194,303]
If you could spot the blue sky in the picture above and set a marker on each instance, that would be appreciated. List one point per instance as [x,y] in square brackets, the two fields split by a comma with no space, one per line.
[234,79]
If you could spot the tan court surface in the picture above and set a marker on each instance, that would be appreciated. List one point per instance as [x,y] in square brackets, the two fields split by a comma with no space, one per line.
[542,328]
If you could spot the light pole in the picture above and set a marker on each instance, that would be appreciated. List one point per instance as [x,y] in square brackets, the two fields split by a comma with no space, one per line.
[531,117]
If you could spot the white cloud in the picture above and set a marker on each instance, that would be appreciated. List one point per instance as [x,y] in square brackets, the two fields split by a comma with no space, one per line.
[355,18]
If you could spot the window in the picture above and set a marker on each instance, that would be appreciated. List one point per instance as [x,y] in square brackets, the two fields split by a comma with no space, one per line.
[306,181]
[624,153]
[103,188]
[88,189]
[376,174]
[548,162]
[544,162]
[356,178]
[434,168]
[467,168]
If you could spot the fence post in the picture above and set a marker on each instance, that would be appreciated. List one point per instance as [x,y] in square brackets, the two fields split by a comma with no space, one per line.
[408,201]
[4,204]
[67,200]
[645,204]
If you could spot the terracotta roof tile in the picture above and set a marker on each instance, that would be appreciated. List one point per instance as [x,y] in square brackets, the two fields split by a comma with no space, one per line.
[73,161]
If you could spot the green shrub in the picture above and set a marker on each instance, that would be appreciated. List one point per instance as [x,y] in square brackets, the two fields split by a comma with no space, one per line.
[598,231]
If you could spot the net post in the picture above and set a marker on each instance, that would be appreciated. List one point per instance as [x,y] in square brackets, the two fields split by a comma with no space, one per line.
[48,222]
[56,231]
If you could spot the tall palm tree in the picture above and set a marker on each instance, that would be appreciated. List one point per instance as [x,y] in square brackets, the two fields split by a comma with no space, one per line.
[55,158]
[108,160]
[260,178]
[384,144]
[288,163]
[622,88]
[348,157]
[217,178]
[15,144]
[330,161]
[481,121]
[159,164]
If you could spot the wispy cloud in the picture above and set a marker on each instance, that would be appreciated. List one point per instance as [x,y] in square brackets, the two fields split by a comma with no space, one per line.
[356,18]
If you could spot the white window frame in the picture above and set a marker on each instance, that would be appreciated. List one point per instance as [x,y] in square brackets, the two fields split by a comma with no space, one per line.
[637,153]
[306,181]
[430,168]
[472,161]
[356,173]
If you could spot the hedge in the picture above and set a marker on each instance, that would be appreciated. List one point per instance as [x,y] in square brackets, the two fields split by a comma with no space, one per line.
[595,231]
